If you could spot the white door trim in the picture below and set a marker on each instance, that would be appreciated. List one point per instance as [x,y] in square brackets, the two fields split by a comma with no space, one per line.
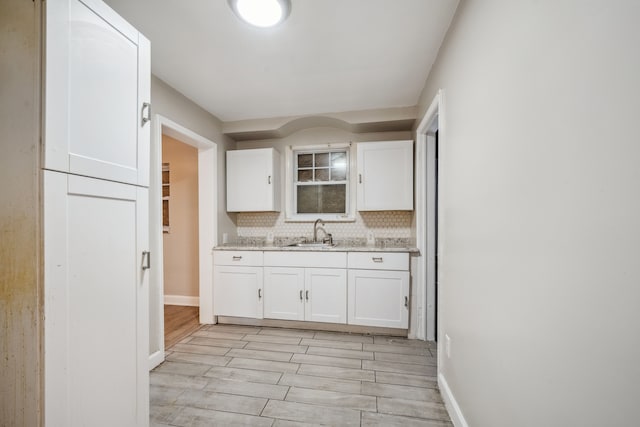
[207,227]
[425,219]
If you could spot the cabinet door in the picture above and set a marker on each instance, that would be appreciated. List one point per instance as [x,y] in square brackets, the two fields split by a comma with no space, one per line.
[379,298]
[385,176]
[237,291]
[97,79]
[325,295]
[284,293]
[252,180]
[95,302]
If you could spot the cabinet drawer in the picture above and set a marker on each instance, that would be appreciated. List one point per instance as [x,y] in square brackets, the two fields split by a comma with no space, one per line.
[237,258]
[379,260]
[306,259]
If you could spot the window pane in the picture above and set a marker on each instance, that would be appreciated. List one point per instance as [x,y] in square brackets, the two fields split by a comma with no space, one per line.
[305,160]
[322,174]
[322,159]
[339,160]
[305,175]
[338,174]
[322,198]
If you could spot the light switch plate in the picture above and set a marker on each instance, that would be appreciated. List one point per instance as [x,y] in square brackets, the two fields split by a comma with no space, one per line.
[371,240]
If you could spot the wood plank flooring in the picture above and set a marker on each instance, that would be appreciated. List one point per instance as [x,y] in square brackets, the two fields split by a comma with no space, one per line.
[179,322]
[232,375]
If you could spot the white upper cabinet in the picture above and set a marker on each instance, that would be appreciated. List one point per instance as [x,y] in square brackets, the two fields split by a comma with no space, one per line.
[385,175]
[97,93]
[253,180]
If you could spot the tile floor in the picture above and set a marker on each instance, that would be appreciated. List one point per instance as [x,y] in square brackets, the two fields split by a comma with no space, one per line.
[227,375]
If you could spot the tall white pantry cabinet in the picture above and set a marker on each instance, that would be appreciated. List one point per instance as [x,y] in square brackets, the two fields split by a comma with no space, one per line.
[94,174]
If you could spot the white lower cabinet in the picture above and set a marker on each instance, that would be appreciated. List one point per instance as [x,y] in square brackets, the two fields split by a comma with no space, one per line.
[325,295]
[360,288]
[284,293]
[307,286]
[237,289]
[96,287]
[311,294]
[378,290]
[379,298]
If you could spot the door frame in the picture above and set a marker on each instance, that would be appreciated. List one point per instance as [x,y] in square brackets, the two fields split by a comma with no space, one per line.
[425,215]
[207,227]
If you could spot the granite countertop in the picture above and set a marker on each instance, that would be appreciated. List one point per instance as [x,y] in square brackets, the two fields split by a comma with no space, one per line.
[347,245]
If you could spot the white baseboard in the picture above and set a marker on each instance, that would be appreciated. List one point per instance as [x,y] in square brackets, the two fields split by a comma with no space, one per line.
[181,300]
[455,413]
[155,359]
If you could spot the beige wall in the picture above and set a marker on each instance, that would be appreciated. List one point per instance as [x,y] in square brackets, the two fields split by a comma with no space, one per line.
[180,244]
[20,286]
[540,262]
[383,224]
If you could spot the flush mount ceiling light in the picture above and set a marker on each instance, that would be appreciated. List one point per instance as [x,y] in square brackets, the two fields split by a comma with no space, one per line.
[261,13]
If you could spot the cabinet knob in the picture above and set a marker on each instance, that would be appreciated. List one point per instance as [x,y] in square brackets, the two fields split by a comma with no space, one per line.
[360,178]
[306,294]
[300,295]
[269,179]
[259,293]
[406,301]
[377,259]
[237,258]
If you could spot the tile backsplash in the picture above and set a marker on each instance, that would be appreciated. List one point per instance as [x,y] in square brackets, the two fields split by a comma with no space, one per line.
[385,224]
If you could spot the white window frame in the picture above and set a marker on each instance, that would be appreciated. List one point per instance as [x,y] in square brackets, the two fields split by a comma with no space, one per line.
[290,186]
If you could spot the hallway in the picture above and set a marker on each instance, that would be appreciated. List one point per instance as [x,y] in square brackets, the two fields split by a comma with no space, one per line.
[256,376]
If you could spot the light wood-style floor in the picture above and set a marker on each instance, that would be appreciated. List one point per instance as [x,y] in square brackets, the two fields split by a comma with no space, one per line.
[179,322]
[228,375]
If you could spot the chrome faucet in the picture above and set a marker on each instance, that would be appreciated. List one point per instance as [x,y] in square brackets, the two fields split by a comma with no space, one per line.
[328,238]
[315,229]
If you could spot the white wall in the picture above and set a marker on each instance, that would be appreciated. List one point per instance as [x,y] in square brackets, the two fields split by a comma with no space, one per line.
[540,234]
[171,104]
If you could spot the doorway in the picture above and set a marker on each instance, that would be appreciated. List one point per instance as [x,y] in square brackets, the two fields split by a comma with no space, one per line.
[207,221]
[428,221]
[179,238]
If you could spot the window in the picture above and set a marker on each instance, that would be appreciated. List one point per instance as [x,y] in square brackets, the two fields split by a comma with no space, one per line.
[320,183]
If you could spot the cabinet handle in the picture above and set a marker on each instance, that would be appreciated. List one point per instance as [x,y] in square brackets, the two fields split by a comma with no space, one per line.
[360,178]
[147,106]
[237,258]
[269,179]
[259,293]
[301,295]
[146,255]
[406,301]
[377,259]
[306,294]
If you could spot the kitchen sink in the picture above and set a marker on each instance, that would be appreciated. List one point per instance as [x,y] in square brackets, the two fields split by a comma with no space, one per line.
[312,245]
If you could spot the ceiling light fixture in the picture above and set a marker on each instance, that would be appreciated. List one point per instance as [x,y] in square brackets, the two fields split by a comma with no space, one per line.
[261,13]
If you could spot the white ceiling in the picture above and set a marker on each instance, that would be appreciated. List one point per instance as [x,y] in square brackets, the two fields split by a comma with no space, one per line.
[329,56]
